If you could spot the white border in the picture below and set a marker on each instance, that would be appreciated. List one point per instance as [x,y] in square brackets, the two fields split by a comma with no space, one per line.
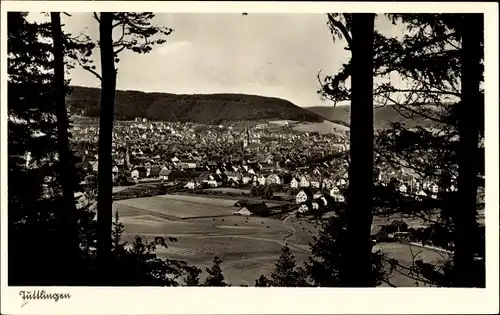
[239,300]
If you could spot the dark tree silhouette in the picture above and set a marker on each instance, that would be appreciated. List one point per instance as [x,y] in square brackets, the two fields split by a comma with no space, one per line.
[358,31]
[469,128]
[215,277]
[359,210]
[71,243]
[136,35]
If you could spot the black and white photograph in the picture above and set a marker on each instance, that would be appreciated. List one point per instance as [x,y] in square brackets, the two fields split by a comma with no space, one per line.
[246,149]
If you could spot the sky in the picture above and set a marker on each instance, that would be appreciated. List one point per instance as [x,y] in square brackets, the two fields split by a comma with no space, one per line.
[275,55]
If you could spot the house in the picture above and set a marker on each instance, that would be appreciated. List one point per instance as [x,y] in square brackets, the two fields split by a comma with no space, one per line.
[328,183]
[141,171]
[403,189]
[192,184]
[246,179]
[314,182]
[115,169]
[273,179]
[212,183]
[315,205]
[303,196]
[243,211]
[421,194]
[233,176]
[303,208]
[261,180]
[164,173]
[334,191]
[188,164]
[259,207]
[304,181]
[134,174]
[294,183]
[317,195]
[339,198]
[336,194]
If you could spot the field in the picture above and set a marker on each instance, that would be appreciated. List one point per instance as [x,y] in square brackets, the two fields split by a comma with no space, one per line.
[205,227]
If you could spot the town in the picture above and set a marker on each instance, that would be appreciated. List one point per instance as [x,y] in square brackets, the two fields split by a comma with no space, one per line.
[307,170]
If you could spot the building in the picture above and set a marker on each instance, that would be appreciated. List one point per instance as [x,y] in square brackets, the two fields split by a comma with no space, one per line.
[243,211]
[303,196]
[294,183]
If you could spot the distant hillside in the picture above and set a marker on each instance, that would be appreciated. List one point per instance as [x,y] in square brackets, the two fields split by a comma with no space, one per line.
[202,108]
[383,115]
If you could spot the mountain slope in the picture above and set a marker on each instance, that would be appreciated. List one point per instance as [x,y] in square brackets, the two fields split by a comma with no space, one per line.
[382,116]
[202,108]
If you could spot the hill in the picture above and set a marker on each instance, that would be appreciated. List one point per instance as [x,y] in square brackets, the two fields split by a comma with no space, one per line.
[382,116]
[202,108]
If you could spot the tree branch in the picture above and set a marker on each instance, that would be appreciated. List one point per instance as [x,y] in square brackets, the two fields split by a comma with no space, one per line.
[342,28]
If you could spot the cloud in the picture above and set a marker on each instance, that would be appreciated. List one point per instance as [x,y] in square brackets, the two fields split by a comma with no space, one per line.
[169,47]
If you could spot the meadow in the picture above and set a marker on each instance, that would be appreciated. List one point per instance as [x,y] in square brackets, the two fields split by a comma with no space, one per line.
[205,227]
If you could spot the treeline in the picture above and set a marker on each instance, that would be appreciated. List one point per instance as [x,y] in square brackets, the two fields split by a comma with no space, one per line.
[201,108]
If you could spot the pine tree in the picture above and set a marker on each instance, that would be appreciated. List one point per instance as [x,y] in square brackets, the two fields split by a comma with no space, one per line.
[358,31]
[432,59]
[64,152]
[137,35]
[37,203]
[215,277]
[286,273]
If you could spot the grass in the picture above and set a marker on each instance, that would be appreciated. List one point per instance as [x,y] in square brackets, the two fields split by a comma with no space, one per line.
[248,246]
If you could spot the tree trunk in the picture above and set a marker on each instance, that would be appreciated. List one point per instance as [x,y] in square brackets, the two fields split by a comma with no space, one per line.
[468,159]
[105,182]
[70,226]
[358,270]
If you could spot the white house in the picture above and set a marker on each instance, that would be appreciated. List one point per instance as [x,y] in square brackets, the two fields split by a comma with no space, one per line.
[342,182]
[242,211]
[317,195]
[328,183]
[212,183]
[175,160]
[246,179]
[314,183]
[273,179]
[315,206]
[303,208]
[192,185]
[294,183]
[301,197]
[134,174]
[334,191]
[304,181]
[403,189]
[339,198]
[164,173]
[233,176]
[115,169]
[261,180]
[421,194]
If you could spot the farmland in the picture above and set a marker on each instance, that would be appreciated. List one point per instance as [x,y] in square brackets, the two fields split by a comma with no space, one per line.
[205,227]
